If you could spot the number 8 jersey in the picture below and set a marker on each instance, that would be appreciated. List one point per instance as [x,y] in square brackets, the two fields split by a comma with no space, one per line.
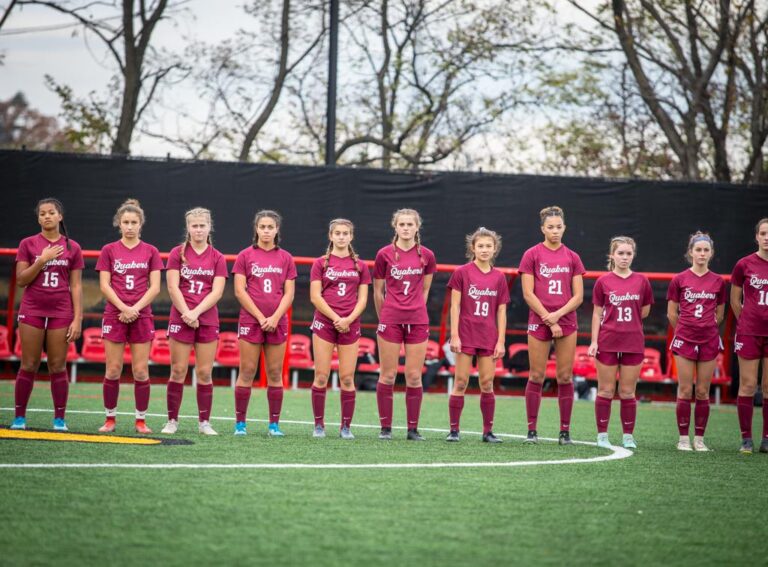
[622,300]
[129,270]
[265,274]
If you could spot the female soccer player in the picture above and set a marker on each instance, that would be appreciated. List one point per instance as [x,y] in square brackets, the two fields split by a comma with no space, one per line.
[622,299]
[401,280]
[338,289]
[196,274]
[749,301]
[264,285]
[479,297]
[129,278]
[553,288]
[50,267]
[696,304]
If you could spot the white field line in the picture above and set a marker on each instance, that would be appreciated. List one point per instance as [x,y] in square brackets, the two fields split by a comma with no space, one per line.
[617,453]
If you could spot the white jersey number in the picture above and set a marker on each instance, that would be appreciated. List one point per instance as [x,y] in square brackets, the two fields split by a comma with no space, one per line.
[555,287]
[195,287]
[481,308]
[698,311]
[407,285]
[267,285]
[129,282]
[51,279]
[763,300]
[625,314]
[342,291]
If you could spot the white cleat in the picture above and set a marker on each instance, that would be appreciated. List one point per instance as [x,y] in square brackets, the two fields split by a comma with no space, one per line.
[684,444]
[603,442]
[171,427]
[345,433]
[698,444]
[204,428]
[628,441]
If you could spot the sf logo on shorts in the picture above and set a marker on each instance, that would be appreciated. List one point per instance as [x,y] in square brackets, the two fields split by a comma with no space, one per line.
[533,328]
[174,329]
[381,328]
[244,331]
[677,343]
[106,329]
[738,347]
[317,325]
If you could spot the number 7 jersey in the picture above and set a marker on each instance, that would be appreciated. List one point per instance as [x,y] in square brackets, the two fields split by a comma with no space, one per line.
[403,273]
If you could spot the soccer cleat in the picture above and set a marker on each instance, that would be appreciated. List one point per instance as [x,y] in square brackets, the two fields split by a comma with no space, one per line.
[19,423]
[628,441]
[345,433]
[684,444]
[414,435]
[490,438]
[532,438]
[764,446]
[319,432]
[240,428]
[60,425]
[747,447]
[386,433]
[274,430]
[603,442]
[698,444]
[141,427]
[453,436]
[109,426]
[204,428]
[564,438]
[171,427]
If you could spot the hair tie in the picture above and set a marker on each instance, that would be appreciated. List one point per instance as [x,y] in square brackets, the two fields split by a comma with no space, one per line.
[702,238]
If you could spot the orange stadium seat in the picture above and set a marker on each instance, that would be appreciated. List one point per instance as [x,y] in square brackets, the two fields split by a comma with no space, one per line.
[299,356]
[228,353]
[5,343]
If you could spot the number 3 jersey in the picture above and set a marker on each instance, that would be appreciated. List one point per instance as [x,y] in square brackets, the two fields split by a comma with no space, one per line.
[48,295]
[481,295]
[129,270]
[340,280]
[751,275]
[403,273]
[266,272]
[698,297]
[622,300]
[196,277]
[552,271]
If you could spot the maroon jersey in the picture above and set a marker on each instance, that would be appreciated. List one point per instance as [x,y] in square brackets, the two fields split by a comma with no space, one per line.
[196,279]
[403,274]
[340,280]
[266,272]
[49,295]
[698,297]
[751,274]
[622,300]
[129,269]
[481,295]
[553,272]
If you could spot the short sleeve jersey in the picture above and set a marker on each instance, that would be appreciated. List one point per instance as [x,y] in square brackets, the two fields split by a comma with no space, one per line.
[196,277]
[266,272]
[751,274]
[129,270]
[553,272]
[340,280]
[403,274]
[699,297]
[49,295]
[622,300]
[481,295]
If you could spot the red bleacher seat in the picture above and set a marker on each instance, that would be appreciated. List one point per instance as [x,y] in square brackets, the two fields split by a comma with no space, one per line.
[160,351]
[651,371]
[5,342]
[583,364]
[93,347]
[367,349]
[299,352]
[228,350]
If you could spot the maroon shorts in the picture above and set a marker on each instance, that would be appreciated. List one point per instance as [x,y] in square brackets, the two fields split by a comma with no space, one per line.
[472,351]
[699,352]
[142,330]
[399,333]
[544,333]
[185,334]
[750,347]
[323,327]
[623,358]
[250,331]
[45,322]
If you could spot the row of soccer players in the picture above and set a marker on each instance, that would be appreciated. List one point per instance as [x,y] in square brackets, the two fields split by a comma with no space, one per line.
[49,267]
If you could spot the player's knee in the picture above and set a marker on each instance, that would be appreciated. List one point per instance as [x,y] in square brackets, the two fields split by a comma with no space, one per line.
[321,380]
[247,371]
[684,392]
[141,374]
[347,381]
[747,389]
[702,393]
[564,377]
[460,385]
[113,371]
[178,372]
[486,387]
[204,377]
[626,393]
[413,379]
[536,377]
[30,365]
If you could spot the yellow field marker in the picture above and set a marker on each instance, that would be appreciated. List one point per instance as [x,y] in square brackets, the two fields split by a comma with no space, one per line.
[76,437]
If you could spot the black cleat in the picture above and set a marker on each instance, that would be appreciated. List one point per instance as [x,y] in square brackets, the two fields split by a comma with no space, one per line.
[564,438]
[747,447]
[532,438]
[490,438]
[386,433]
[413,435]
[453,436]
[764,446]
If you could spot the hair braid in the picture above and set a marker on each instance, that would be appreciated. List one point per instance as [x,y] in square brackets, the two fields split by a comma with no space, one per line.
[328,256]
[417,238]
[394,247]
[355,258]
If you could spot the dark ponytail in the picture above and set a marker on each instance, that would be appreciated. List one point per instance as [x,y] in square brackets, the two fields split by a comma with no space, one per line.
[60,209]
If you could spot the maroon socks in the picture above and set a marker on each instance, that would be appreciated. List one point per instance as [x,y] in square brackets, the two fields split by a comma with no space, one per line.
[565,401]
[701,417]
[413,397]
[488,409]
[175,392]
[384,401]
[455,407]
[59,393]
[111,391]
[275,401]
[318,405]
[744,409]
[141,394]
[602,413]
[204,401]
[242,397]
[23,390]
[628,415]
[683,412]
[347,407]
[532,403]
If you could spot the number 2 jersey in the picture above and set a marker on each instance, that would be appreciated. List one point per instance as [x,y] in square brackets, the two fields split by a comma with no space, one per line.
[751,275]
[196,277]
[622,300]
[49,295]
[403,273]
[129,270]
[340,280]
[266,272]
[698,297]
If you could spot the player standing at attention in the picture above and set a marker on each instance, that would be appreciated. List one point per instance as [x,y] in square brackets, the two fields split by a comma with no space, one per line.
[264,285]
[129,278]
[401,280]
[622,299]
[338,289]
[553,288]
[49,266]
[479,297]
[749,301]
[695,308]
[196,273]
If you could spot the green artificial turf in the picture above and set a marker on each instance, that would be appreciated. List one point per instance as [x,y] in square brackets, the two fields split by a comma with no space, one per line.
[658,506]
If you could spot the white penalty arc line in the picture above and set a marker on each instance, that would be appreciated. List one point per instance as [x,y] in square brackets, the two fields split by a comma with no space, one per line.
[617,453]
